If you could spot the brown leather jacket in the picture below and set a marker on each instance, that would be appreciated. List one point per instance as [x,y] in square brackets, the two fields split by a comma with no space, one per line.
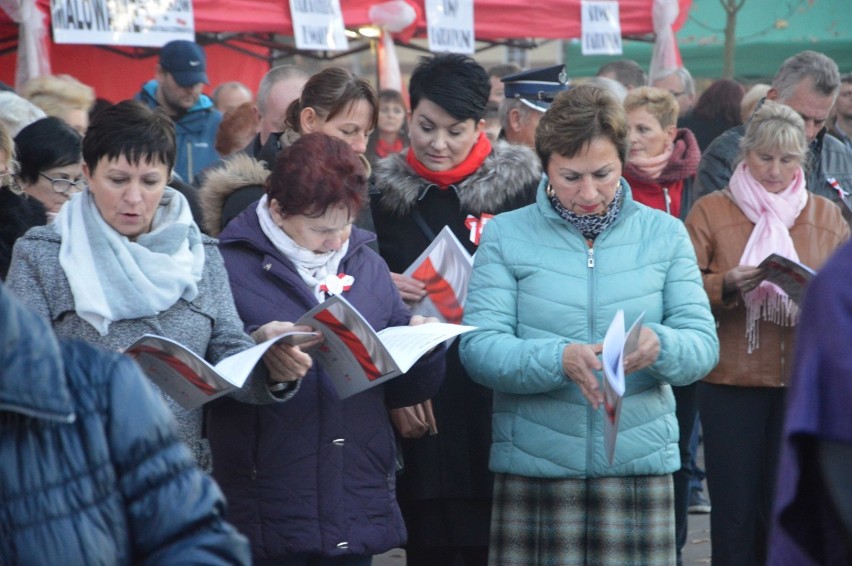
[719,232]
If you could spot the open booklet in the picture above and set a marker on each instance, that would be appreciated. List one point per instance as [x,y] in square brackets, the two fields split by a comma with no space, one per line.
[617,344]
[445,267]
[188,378]
[792,277]
[356,357]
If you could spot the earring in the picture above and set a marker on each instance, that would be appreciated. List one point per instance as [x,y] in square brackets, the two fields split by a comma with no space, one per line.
[549,191]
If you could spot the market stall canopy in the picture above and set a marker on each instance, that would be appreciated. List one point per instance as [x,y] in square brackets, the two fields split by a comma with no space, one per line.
[768,32]
[242,36]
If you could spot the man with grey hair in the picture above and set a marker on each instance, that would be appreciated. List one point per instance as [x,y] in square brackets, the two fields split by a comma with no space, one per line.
[279,87]
[528,96]
[679,82]
[230,95]
[625,71]
[808,83]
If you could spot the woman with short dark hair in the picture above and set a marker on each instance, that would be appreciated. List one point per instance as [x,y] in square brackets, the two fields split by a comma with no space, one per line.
[124,258]
[50,163]
[313,481]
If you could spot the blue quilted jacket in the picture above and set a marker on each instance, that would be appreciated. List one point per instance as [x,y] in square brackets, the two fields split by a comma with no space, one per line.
[91,469]
[537,286]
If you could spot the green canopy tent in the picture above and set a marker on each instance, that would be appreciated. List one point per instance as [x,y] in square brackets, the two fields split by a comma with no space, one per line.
[767,32]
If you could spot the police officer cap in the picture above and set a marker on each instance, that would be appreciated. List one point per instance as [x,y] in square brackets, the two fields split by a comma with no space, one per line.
[537,87]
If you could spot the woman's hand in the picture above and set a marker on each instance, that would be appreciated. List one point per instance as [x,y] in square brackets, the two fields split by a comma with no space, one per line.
[743,278]
[411,290]
[417,320]
[579,363]
[645,354]
[285,362]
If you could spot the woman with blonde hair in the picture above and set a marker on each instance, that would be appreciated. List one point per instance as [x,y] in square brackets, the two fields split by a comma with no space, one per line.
[62,96]
[765,209]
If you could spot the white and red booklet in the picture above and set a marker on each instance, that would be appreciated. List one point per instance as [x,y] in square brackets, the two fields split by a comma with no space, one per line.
[356,357]
[791,276]
[445,267]
[188,378]
[617,344]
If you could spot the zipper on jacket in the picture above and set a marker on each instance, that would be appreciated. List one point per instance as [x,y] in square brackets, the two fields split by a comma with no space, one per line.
[668,198]
[590,412]
[188,179]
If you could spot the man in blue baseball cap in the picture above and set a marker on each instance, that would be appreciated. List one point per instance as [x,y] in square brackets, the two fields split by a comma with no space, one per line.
[528,96]
[180,76]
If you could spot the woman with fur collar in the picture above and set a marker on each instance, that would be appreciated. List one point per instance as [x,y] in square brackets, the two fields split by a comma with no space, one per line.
[450,176]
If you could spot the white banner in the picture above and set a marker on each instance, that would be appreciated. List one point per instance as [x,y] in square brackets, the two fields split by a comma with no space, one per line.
[318,24]
[141,23]
[450,26]
[601,28]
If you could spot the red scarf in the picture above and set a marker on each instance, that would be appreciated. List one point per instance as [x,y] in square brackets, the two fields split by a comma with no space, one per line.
[383,148]
[453,176]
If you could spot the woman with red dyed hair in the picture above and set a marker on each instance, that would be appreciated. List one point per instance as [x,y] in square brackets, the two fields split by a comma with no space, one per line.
[313,481]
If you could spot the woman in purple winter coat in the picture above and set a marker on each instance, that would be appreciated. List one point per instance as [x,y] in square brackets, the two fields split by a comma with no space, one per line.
[313,481]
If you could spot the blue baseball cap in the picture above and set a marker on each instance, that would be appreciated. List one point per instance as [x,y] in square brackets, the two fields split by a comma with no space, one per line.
[185,61]
[537,87]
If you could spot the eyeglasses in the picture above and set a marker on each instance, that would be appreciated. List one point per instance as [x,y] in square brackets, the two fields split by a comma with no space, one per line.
[65,186]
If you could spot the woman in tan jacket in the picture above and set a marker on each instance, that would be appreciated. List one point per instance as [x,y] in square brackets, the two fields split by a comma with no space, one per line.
[765,209]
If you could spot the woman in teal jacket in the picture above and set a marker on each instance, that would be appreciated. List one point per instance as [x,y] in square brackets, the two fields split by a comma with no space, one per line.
[548,280]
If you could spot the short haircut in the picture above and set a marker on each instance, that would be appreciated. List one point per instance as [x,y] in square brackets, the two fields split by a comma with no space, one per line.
[822,71]
[16,112]
[657,101]
[846,79]
[682,73]
[230,85]
[503,70]
[237,128]
[625,71]
[131,130]
[576,118]
[506,107]
[391,95]
[775,126]
[720,103]
[45,144]
[58,94]
[616,88]
[330,92]
[315,173]
[455,82]
[274,76]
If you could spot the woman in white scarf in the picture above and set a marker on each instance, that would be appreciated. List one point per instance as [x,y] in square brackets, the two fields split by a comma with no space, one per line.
[125,258]
[766,209]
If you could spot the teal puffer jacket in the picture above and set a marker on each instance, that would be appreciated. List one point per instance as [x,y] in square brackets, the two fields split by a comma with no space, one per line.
[536,287]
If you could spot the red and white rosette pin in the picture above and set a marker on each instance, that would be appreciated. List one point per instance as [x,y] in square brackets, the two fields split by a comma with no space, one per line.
[475,225]
[336,284]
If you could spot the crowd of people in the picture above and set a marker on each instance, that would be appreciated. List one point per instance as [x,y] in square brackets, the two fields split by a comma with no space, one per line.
[217,221]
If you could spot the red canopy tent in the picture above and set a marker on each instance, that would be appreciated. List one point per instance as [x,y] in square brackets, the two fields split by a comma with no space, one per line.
[241,37]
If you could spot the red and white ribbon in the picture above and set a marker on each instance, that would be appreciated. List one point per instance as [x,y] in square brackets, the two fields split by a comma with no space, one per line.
[835,184]
[475,225]
[336,284]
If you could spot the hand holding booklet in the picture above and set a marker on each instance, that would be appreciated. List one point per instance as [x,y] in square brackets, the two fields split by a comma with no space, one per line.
[356,357]
[617,344]
[188,378]
[445,268]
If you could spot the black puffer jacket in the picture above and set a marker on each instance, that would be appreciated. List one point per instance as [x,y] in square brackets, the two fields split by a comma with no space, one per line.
[92,470]
[17,215]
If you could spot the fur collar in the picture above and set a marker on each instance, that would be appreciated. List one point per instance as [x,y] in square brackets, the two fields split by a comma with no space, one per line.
[506,172]
[239,170]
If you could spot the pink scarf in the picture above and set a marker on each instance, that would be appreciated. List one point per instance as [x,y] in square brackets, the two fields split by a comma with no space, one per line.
[653,167]
[773,216]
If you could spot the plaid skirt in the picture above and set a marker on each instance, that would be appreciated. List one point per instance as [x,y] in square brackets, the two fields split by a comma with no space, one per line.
[614,521]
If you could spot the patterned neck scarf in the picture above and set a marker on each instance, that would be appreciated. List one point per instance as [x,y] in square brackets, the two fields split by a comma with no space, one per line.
[591,225]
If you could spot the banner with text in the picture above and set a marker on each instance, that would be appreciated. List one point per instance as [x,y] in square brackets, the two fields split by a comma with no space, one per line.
[139,23]
[318,25]
[450,26]
[601,28]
